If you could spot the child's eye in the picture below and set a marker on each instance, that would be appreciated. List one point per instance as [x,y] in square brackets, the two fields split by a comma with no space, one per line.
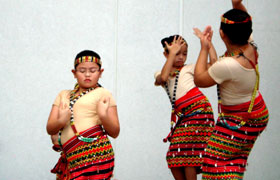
[93,70]
[82,70]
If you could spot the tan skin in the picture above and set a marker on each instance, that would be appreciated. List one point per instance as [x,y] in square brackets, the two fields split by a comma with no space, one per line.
[87,75]
[212,52]
[175,59]
[202,77]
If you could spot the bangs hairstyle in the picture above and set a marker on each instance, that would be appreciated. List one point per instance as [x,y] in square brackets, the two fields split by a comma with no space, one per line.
[169,41]
[239,31]
[87,53]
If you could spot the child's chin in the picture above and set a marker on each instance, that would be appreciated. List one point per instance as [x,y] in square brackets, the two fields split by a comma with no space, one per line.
[179,64]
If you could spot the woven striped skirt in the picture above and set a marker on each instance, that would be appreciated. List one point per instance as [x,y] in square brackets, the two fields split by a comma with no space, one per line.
[228,149]
[86,161]
[192,131]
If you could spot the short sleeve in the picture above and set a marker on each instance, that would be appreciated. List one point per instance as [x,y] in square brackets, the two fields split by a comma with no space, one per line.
[62,96]
[220,71]
[190,68]
[107,93]
[57,99]
[187,72]
[156,75]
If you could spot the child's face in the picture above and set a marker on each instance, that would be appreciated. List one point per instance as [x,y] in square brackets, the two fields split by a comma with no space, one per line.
[87,74]
[181,57]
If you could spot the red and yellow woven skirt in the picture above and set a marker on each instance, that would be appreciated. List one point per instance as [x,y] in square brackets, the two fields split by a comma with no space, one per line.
[192,131]
[86,160]
[228,149]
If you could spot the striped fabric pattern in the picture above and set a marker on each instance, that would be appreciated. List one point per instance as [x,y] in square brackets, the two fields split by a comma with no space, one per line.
[87,59]
[189,140]
[228,150]
[93,161]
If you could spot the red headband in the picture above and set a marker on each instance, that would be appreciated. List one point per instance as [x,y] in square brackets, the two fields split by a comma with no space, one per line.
[227,21]
[87,59]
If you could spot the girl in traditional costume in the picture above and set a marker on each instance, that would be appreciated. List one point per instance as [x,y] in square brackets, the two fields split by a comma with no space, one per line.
[83,118]
[192,118]
[243,114]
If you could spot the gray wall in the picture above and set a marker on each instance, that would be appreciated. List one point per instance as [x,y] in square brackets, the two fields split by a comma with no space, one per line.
[39,40]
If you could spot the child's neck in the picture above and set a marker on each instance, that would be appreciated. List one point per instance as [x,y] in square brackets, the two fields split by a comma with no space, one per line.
[81,89]
[232,48]
[175,70]
[176,67]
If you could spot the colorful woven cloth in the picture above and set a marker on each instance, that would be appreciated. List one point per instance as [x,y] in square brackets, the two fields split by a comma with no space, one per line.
[82,161]
[228,149]
[190,137]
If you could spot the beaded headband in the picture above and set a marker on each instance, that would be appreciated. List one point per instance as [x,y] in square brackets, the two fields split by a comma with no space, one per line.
[87,59]
[227,21]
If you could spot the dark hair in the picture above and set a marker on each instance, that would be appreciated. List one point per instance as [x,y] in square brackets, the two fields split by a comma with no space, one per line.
[239,32]
[87,53]
[169,41]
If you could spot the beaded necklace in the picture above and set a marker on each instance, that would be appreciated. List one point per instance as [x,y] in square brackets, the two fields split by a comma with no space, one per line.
[173,99]
[175,72]
[74,97]
[255,66]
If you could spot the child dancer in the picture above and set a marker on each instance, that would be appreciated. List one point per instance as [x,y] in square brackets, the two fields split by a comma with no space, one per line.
[192,127]
[243,114]
[83,117]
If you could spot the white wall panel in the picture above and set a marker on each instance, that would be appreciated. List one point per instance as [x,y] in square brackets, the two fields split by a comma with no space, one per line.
[39,40]
[143,108]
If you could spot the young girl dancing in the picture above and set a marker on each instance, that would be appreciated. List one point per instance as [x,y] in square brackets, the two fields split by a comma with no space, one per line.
[192,116]
[243,114]
[83,117]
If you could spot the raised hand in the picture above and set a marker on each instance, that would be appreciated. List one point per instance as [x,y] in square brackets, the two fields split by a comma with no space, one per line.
[102,107]
[200,34]
[237,4]
[197,32]
[205,36]
[176,45]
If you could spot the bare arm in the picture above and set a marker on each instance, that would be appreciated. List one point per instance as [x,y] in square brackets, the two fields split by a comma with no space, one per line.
[212,55]
[212,51]
[58,118]
[173,49]
[237,4]
[109,117]
[166,69]
[201,75]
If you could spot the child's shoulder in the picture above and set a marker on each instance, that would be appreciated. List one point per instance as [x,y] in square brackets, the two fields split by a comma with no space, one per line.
[226,60]
[188,67]
[101,91]
[67,91]
[64,93]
